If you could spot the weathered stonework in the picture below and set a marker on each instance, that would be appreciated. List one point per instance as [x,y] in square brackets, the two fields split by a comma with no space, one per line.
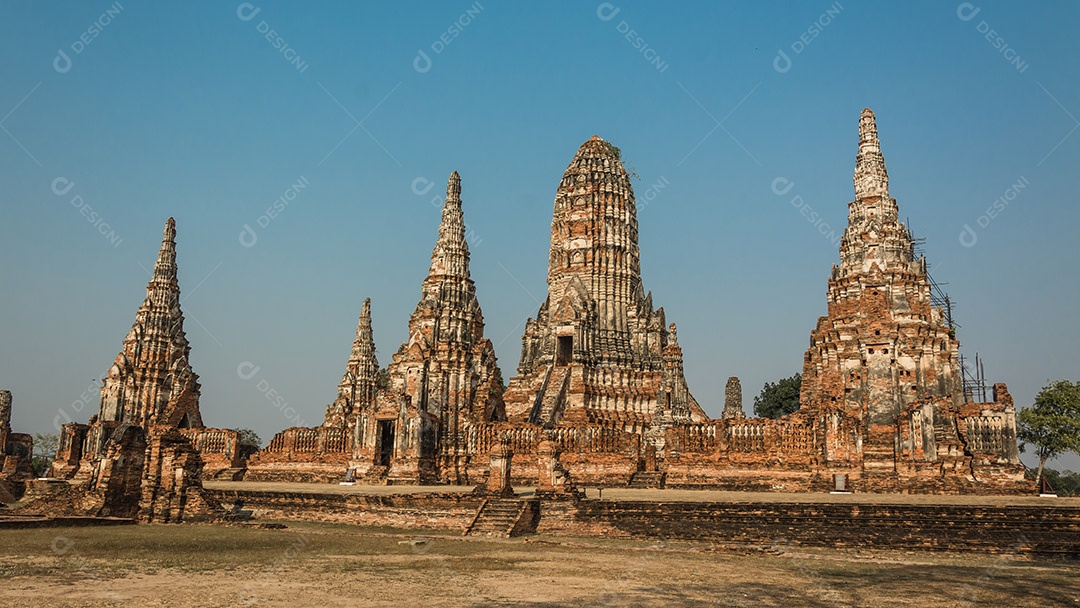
[149,409]
[882,374]
[439,382]
[600,396]
[597,352]
[151,382]
[16,454]
[733,407]
[358,386]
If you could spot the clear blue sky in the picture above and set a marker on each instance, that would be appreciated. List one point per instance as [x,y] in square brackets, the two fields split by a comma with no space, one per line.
[188,110]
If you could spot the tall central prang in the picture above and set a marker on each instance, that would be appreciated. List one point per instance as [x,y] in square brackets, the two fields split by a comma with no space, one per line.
[597,352]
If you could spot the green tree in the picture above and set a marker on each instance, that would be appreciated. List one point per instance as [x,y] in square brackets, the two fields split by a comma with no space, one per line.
[45,445]
[249,442]
[778,398]
[1064,483]
[1052,424]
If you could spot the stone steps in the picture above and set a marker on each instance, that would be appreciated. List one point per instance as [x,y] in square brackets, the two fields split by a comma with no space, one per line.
[500,517]
[554,394]
[647,479]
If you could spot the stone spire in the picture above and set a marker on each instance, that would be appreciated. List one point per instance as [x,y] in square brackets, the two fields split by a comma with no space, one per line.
[871,178]
[451,253]
[733,406]
[884,355]
[5,418]
[151,380]
[360,382]
[874,234]
[442,380]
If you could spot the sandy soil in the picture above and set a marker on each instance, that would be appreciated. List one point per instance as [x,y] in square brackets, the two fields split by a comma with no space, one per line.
[331,565]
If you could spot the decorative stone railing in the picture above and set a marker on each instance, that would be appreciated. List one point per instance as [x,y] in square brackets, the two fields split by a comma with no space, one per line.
[524,439]
[306,440]
[223,442]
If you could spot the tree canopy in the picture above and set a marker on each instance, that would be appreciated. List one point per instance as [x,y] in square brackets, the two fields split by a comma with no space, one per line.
[1052,424]
[778,398]
[249,442]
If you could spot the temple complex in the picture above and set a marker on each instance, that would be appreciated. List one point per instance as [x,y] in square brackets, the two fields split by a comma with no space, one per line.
[597,351]
[600,396]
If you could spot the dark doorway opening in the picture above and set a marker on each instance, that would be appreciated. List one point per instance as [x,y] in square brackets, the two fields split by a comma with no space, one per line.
[386,442]
[564,350]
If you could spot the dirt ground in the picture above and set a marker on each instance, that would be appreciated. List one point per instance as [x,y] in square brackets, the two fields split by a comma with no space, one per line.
[336,565]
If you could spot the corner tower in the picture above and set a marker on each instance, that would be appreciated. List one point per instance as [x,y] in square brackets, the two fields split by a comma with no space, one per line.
[441,380]
[883,365]
[597,351]
[151,381]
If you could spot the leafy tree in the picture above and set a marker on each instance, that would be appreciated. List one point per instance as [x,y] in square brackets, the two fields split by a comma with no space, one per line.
[778,398]
[45,445]
[249,442]
[1052,424]
[1064,483]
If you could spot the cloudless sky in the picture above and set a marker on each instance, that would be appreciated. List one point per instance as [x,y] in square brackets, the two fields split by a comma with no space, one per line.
[188,110]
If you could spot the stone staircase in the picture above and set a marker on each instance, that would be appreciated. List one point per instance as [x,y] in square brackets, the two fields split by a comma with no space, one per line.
[647,480]
[231,474]
[504,517]
[553,395]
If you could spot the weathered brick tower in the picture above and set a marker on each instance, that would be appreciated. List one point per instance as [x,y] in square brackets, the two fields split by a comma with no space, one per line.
[358,386]
[882,371]
[144,452]
[597,351]
[444,376]
[151,381]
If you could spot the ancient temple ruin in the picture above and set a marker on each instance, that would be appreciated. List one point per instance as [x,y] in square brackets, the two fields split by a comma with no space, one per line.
[597,351]
[16,454]
[356,391]
[883,371]
[600,396]
[149,406]
[441,379]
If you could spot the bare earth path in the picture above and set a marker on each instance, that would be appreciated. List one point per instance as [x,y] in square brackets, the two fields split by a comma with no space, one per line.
[336,565]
